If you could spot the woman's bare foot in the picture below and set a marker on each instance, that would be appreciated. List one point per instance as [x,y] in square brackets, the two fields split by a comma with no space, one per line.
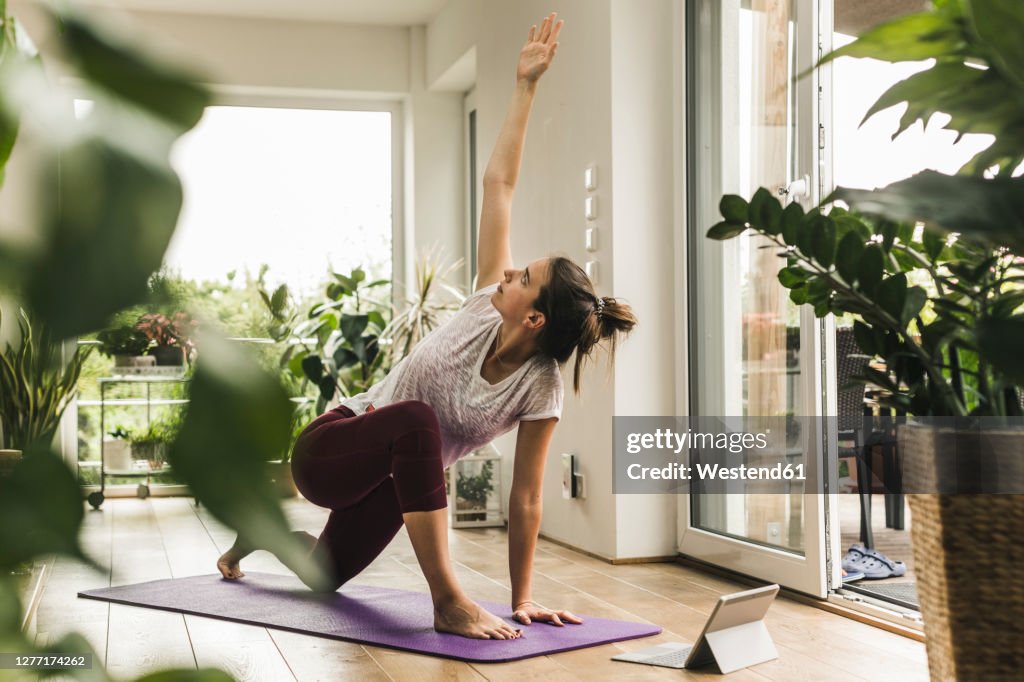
[228,564]
[462,616]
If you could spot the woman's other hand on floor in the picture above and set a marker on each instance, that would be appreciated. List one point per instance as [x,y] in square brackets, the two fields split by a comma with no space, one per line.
[539,51]
[528,612]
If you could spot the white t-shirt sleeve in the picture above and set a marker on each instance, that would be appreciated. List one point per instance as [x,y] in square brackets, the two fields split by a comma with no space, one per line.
[480,301]
[545,397]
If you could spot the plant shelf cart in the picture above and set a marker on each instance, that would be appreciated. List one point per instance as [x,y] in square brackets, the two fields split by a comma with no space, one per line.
[96,498]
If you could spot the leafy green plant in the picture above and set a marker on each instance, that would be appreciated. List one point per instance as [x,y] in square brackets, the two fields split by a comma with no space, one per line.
[978,80]
[335,346]
[35,388]
[977,77]
[122,341]
[117,193]
[120,433]
[941,305]
[424,312]
[475,489]
[159,320]
[933,340]
[151,442]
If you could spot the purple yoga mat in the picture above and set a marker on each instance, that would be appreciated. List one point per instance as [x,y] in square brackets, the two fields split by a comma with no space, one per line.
[359,613]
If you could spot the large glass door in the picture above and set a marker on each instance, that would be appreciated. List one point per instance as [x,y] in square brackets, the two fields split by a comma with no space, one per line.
[753,353]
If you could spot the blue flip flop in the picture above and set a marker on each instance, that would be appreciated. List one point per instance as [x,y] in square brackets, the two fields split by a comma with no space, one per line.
[853,557]
[877,566]
[852,576]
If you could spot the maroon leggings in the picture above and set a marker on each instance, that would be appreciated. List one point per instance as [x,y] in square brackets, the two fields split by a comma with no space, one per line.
[369,470]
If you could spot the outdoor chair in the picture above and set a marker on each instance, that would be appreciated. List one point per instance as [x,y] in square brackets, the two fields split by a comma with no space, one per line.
[857,423]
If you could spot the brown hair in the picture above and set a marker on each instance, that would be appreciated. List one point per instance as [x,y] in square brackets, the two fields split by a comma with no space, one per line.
[571,322]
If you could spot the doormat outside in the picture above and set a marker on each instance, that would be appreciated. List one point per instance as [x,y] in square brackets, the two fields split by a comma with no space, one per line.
[379,616]
[904,594]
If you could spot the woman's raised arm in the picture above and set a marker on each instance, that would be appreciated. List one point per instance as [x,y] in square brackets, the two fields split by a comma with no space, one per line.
[494,253]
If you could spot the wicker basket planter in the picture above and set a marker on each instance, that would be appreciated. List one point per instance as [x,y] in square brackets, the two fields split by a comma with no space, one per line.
[968,555]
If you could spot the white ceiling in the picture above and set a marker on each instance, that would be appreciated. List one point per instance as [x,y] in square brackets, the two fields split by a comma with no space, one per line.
[381,12]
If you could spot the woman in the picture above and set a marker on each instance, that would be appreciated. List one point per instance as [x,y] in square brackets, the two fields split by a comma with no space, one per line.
[377,459]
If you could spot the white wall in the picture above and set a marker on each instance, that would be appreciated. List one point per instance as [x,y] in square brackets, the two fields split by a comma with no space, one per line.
[451,41]
[642,73]
[435,171]
[607,100]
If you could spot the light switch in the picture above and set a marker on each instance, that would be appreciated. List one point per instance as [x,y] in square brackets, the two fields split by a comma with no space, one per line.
[591,239]
[590,178]
[591,269]
[590,208]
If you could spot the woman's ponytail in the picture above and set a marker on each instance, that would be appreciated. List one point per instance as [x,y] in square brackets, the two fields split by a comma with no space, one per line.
[577,319]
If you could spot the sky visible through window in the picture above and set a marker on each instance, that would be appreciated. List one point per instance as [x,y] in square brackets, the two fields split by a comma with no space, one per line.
[302,190]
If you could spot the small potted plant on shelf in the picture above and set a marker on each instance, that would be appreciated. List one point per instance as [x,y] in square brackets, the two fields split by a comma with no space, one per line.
[170,337]
[472,491]
[127,345]
[150,444]
[117,450]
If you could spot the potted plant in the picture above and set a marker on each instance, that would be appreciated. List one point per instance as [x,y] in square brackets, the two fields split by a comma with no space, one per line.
[425,311]
[169,336]
[117,450]
[36,386]
[150,444]
[472,492]
[940,306]
[125,343]
[279,471]
[335,346]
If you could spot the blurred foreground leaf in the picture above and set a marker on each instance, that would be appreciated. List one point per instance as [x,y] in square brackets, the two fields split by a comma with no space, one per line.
[104,186]
[238,418]
[102,57]
[113,206]
[1000,341]
[41,510]
[985,209]
[14,46]
[203,675]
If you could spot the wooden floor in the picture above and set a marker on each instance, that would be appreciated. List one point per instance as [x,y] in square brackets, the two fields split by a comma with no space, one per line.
[168,537]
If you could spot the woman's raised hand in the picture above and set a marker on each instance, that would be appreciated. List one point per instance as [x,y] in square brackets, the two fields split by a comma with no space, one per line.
[540,48]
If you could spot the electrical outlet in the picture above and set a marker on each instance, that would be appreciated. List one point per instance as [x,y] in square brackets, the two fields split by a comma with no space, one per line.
[572,482]
[568,476]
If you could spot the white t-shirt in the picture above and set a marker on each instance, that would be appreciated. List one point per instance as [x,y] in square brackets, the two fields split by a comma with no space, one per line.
[443,370]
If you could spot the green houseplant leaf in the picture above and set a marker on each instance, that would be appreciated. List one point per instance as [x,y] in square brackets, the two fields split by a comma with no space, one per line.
[41,507]
[907,39]
[238,418]
[118,193]
[999,25]
[992,210]
[162,90]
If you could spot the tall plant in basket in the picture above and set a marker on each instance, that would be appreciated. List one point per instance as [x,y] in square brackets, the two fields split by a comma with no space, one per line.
[950,345]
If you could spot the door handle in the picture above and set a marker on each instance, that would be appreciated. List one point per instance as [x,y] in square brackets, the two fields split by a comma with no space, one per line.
[801,187]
